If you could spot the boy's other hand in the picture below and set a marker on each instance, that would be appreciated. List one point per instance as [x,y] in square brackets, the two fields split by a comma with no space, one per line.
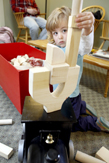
[32,11]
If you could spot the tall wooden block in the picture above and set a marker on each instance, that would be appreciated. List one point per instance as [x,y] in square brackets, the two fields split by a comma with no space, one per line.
[73,36]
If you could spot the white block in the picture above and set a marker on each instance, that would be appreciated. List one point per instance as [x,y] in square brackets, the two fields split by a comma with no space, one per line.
[103,154]
[5,121]
[6,151]
[85,158]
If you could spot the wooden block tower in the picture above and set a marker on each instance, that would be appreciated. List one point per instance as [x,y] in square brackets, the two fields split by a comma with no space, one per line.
[59,68]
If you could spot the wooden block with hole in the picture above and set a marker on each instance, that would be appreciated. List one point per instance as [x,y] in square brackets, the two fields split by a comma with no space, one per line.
[58,73]
[6,151]
[103,154]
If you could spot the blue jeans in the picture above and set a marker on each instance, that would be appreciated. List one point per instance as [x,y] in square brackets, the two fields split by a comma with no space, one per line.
[34,23]
[87,123]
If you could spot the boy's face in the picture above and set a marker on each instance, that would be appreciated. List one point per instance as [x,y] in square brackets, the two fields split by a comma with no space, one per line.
[60,34]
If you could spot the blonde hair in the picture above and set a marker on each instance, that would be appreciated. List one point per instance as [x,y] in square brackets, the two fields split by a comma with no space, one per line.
[55,19]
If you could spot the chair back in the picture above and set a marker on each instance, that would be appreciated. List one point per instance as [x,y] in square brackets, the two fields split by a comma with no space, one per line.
[19,16]
[105,30]
[19,19]
[94,9]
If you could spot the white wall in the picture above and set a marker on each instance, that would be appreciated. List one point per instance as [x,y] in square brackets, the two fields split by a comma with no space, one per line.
[2,18]
[9,17]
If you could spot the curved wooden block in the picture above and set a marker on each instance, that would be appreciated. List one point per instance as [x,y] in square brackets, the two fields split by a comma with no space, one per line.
[39,87]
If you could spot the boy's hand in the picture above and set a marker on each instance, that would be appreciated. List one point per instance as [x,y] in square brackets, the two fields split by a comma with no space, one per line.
[85,20]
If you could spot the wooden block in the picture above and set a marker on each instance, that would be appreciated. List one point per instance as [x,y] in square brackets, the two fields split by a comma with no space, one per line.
[71,52]
[73,36]
[85,158]
[35,74]
[76,6]
[6,151]
[71,22]
[103,154]
[39,87]
[38,80]
[54,55]
[21,60]
[58,73]
[5,121]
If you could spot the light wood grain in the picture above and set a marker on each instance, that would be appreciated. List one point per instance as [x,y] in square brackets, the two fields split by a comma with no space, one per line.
[74,34]
[103,154]
[57,69]
[6,151]
[100,63]
[85,158]
[42,44]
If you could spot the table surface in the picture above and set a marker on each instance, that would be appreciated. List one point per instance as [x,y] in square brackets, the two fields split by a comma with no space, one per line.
[42,44]
[96,61]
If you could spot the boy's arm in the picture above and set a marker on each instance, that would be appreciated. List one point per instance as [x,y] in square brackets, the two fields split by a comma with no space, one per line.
[86,42]
[85,21]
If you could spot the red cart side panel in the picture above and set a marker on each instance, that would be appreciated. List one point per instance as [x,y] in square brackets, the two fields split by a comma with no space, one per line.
[10,82]
[15,82]
[12,50]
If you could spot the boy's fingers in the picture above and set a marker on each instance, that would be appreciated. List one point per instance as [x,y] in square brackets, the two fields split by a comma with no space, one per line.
[85,16]
[85,20]
[84,26]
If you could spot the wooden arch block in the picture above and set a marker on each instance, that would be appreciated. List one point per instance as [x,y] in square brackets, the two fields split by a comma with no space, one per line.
[54,55]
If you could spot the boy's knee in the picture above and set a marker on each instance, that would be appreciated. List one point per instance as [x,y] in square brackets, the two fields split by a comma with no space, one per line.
[41,22]
[30,23]
[34,27]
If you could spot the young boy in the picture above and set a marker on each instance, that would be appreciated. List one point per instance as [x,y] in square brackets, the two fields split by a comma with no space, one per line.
[57,27]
